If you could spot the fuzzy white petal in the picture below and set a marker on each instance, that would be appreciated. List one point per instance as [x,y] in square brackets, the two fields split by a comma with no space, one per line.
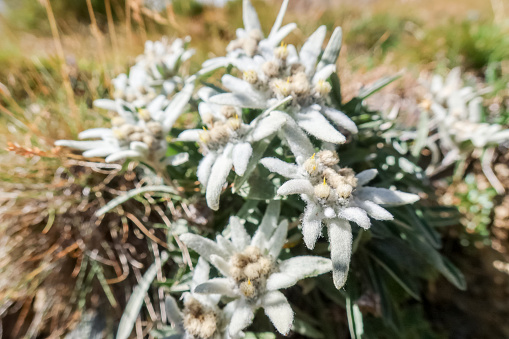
[267,225]
[173,312]
[278,310]
[296,186]
[315,124]
[241,154]
[190,135]
[177,159]
[100,152]
[82,145]
[311,225]
[203,246]
[249,16]
[280,167]
[242,317]
[268,126]
[279,19]
[237,100]
[357,215]
[299,143]
[312,49]
[331,52]
[226,244]
[274,40]
[374,211]
[108,104]
[366,176]
[340,119]
[298,268]
[200,273]
[204,168]
[384,196]
[221,286]
[176,106]
[217,178]
[239,236]
[221,264]
[95,133]
[340,238]
[131,154]
[278,239]
[324,73]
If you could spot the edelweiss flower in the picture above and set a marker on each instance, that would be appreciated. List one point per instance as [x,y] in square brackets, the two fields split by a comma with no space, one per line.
[252,273]
[226,141]
[155,72]
[335,196]
[281,72]
[250,40]
[136,133]
[201,318]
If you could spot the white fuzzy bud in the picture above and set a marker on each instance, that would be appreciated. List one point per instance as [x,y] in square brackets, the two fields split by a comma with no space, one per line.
[322,88]
[270,69]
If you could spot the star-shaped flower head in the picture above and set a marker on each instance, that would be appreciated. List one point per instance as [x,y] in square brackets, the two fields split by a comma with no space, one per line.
[201,318]
[284,72]
[155,72]
[457,115]
[250,40]
[226,141]
[136,133]
[335,196]
[252,273]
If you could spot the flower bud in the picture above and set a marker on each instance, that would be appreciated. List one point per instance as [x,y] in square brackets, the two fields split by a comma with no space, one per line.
[328,158]
[322,88]
[250,76]
[271,69]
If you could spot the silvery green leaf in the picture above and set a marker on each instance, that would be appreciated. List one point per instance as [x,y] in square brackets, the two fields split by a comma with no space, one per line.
[357,215]
[94,133]
[250,17]
[331,52]
[366,176]
[242,317]
[132,193]
[133,307]
[422,134]
[217,178]
[203,246]
[241,154]
[239,236]
[340,239]
[315,124]
[204,168]
[378,85]
[280,167]
[221,286]
[296,186]
[311,49]
[340,119]
[355,322]
[311,224]
[278,239]
[384,196]
[278,310]
[120,155]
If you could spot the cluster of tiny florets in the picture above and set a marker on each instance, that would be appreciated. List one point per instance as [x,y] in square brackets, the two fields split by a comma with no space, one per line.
[199,320]
[250,270]
[219,132]
[282,79]
[147,130]
[330,182]
[248,43]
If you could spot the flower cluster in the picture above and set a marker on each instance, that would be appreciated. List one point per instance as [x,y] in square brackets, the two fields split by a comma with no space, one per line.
[252,273]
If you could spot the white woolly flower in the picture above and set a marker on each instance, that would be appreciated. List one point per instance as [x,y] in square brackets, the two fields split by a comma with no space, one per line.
[250,40]
[280,72]
[252,273]
[155,72]
[136,133]
[226,141]
[201,318]
[334,196]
